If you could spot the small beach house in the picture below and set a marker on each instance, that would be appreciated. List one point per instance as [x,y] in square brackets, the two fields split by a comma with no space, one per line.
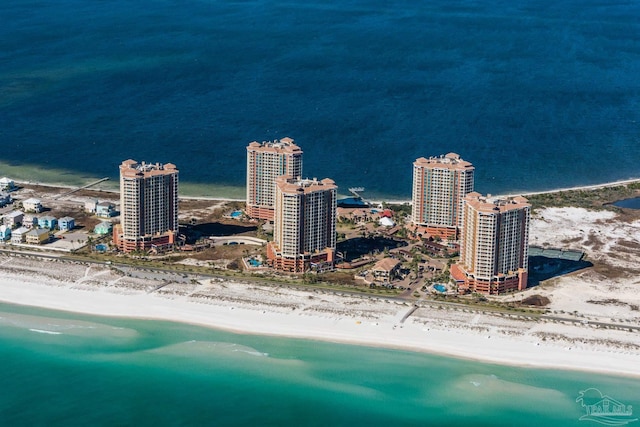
[5,199]
[38,236]
[66,223]
[105,227]
[5,233]
[30,220]
[32,205]
[19,235]
[105,209]
[90,206]
[47,221]
[6,184]
[13,219]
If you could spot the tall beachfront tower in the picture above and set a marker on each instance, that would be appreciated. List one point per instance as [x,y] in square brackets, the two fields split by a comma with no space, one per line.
[494,247]
[304,233]
[148,206]
[265,162]
[439,185]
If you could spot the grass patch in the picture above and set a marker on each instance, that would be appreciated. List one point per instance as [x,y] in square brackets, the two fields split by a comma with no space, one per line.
[598,198]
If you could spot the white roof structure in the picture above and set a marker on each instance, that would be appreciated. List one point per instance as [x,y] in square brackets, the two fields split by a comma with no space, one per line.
[21,230]
[387,222]
[6,184]
[14,214]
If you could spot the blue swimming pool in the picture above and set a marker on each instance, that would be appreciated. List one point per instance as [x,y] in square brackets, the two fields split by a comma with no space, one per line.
[101,247]
[236,214]
[254,262]
[439,287]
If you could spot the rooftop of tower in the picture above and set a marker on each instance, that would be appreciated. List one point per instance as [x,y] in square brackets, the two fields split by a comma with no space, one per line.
[295,185]
[448,161]
[285,144]
[131,168]
[495,204]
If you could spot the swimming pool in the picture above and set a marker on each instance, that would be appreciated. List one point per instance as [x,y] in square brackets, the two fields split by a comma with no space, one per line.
[439,287]
[236,214]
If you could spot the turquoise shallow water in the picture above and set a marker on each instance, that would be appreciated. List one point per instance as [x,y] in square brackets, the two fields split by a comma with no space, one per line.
[537,95]
[67,369]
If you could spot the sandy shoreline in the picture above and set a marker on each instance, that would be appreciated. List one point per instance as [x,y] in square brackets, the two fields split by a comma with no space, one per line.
[591,326]
[374,202]
[320,315]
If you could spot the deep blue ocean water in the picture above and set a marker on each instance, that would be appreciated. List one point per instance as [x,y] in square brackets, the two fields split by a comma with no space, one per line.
[62,369]
[538,95]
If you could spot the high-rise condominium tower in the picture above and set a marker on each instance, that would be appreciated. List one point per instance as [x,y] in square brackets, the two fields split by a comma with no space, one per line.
[265,162]
[439,185]
[148,206]
[304,233]
[494,247]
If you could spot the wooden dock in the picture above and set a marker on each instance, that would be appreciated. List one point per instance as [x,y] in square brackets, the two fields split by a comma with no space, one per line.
[409,313]
[91,184]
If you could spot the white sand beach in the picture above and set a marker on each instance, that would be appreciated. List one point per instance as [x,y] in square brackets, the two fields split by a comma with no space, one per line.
[569,338]
[608,292]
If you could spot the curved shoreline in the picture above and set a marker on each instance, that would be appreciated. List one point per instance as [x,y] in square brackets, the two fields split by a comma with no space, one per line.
[516,356]
[344,319]
[390,201]
[586,187]
[353,320]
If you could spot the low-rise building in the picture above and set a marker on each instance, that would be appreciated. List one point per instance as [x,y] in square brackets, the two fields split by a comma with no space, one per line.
[91,206]
[66,223]
[32,205]
[47,221]
[5,199]
[435,266]
[105,209]
[105,227]
[13,219]
[7,184]
[19,235]
[30,220]
[38,236]
[5,233]
[386,268]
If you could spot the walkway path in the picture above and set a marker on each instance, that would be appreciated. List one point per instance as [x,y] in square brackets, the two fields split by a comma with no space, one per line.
[91,184]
